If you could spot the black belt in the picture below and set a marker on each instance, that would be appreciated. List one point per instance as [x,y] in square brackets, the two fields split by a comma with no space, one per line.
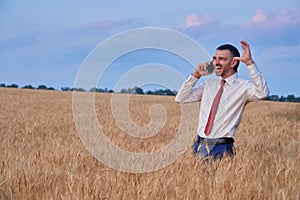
[209,141]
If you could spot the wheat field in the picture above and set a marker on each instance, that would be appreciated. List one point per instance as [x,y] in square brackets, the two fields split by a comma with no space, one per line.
[42,156]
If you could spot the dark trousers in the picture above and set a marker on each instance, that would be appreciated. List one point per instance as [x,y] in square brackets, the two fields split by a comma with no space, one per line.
[214,148]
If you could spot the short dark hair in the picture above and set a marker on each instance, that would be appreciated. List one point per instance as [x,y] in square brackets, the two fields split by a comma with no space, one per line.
[233,51]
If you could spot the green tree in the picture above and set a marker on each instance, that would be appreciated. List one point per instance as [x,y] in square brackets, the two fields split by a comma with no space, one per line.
[282,99]
[65,88]
[50,88]
[139,90]
[291,98]
[28,87]
[42,87]
[149,92]
[273,98]
[12,86]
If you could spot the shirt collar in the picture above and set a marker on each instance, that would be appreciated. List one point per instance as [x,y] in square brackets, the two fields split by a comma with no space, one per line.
[231,79]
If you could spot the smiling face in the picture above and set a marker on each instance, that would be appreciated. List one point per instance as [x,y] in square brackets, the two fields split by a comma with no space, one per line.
[224,63]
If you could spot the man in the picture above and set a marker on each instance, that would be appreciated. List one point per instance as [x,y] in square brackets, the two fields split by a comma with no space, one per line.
[222,101]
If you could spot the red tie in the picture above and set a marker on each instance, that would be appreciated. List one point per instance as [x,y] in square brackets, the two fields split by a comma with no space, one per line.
[213,110]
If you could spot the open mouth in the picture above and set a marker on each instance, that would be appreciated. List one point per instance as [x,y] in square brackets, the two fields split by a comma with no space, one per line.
[218,68]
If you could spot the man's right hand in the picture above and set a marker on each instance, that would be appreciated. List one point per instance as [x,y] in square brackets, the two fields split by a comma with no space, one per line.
[201,70]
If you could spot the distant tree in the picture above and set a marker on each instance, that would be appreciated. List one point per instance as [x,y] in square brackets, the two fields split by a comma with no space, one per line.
[169,92]
[123,90]
[100,90]
[28,87]
[129,90]
[2,85]
[138,90]
[65,88]
[12,86]
[282,99]
[159,92]
[291,98]
[165,92]
[42,87]
[50,88]
[149,92]
[78,89]
[273,98]
[93,89]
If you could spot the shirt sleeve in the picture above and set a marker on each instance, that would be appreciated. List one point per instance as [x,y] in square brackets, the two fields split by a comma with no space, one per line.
[257,88]
[187,93]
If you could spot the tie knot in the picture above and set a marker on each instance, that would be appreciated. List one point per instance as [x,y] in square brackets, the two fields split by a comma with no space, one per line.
[223,82]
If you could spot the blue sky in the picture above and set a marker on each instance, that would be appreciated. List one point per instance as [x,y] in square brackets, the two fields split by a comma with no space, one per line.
[46,42]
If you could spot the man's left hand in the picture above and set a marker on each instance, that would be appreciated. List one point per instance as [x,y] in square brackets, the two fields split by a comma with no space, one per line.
[246,55]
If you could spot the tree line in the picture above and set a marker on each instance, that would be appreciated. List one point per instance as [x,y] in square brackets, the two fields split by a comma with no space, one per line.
[135,90]
[138,90]
[288,98]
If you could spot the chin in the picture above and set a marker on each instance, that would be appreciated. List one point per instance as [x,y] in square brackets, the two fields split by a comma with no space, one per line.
[218,74]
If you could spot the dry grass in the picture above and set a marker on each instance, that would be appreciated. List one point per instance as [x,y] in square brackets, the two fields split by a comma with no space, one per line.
[42,156]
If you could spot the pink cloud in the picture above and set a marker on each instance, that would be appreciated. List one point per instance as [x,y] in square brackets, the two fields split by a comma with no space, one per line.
[283,17]
[287,16]
[259,17]
[264,28]
[193,20]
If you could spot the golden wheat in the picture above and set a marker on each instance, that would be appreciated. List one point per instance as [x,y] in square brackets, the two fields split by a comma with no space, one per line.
[42,156]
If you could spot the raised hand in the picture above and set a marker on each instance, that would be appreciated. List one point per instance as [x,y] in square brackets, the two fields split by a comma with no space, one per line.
[246,54]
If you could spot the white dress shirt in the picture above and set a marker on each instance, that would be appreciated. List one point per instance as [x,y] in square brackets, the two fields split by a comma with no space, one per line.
[236,94]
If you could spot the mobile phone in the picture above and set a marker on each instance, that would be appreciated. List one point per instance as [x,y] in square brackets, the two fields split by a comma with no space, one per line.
[210,67]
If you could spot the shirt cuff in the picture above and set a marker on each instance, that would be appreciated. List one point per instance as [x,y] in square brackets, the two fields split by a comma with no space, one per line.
[192,80]
[253,69]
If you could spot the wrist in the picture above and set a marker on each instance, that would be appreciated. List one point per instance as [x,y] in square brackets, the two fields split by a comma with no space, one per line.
[249,62]
[196,75]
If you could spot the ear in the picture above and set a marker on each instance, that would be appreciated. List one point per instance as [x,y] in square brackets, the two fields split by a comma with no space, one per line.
[234,62]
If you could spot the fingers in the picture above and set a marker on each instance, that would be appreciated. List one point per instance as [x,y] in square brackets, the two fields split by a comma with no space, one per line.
[246,55]
[244,44]
[202,68]
[237,58]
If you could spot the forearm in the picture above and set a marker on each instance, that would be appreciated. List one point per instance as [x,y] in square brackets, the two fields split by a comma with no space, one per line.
[187,93]
[260,90]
